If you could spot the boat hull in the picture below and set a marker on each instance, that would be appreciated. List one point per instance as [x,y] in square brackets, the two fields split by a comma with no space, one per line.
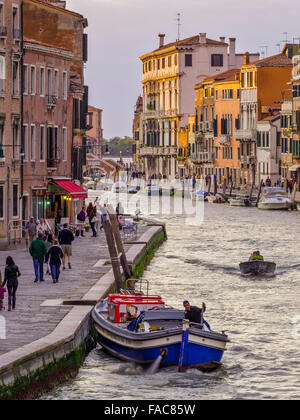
[274,206]
[257,268]
[201,350]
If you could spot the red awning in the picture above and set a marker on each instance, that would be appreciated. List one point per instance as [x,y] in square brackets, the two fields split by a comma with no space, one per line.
[73,189]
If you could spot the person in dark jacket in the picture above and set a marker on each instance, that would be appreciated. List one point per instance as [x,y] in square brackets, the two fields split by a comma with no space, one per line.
[54,256]
[11,275]
[65,239]
[38,251]
[193,313]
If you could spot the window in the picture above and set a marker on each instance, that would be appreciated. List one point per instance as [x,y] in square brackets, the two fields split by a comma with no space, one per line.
[188,60]
[217,95]
[170,61]
[15,141]
[1,15]
[56,83]
[15,201]
[42,143]
[175,60]
[42,81]
[2,74]
[32,80]
[16,31]
[163,63]
[243,80]
[25,79]
[217,60]
[1,201]
[49,82]
[158,64]
[32,143]
[15,78]
[56,143]
[65,86]
[25,145]
[64,146]
[238,93]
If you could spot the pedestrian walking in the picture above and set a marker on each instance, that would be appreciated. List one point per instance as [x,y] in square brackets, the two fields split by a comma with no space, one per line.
[31,229]
[38,251]
[81,219]
[65,239]
[54,257]
[11,275]
[93,220]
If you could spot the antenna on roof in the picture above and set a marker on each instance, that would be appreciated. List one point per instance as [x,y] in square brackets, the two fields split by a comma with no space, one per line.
[266,50]
[178,25]
[285,41]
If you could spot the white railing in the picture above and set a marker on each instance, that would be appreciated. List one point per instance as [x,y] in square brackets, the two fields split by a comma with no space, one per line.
[202,157]
[249,134]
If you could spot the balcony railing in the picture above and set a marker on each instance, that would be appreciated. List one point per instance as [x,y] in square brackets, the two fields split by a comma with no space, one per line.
[158,151]
[203,157]
[52,163]
[224,139]
[17,34]
[3,31]
[51,101]
[160,114]
[246,135]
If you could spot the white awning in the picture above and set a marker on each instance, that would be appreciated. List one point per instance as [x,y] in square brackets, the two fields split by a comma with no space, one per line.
[294,168]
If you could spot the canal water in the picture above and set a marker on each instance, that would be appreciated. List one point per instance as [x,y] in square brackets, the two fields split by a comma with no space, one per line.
[260,315]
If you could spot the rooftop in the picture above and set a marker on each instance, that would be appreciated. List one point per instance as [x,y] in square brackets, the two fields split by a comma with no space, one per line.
[278,60]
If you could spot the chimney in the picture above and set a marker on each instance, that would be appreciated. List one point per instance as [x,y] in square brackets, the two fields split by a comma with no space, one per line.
[202,38]
[161,40]
[246,58]
[222,38]
[232,63]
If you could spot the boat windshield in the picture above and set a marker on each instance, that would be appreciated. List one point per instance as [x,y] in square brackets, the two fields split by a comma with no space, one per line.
[273,191]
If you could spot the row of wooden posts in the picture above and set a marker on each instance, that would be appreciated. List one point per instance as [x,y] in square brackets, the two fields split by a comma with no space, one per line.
[116,248]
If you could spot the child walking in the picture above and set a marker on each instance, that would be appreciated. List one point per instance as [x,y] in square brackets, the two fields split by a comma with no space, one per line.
[11,278]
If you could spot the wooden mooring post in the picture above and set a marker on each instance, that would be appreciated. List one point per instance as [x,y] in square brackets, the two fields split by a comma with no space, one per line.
[113,254]
[120,247]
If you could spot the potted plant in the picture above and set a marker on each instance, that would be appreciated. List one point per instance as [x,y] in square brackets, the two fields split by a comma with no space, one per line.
[87,227]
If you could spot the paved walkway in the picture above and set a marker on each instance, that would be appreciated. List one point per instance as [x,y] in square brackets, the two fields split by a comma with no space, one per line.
[30,321]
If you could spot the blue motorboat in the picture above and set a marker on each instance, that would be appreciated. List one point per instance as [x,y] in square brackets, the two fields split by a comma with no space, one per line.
[136,329]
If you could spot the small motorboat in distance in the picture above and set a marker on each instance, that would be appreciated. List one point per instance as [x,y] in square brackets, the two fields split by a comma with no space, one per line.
[258,268]
[140,328]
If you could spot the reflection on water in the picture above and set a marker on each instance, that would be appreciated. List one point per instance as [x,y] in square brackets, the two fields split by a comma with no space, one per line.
[200,263]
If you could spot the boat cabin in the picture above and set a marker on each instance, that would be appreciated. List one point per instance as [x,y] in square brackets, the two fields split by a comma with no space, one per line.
[125,308]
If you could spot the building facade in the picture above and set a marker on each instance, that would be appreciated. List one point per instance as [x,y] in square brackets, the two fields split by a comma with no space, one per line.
[55,108]
[262,84]
[95,134]
[169,75]
[10,119]
[136,130]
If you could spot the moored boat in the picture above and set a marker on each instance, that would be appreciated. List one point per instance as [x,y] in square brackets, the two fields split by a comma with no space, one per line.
[257,267]
[274,198]
[140,329]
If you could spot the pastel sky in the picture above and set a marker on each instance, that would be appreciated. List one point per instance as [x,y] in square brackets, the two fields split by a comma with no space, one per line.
[122,30]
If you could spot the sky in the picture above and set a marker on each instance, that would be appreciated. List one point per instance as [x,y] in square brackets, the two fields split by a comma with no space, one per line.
[120,31]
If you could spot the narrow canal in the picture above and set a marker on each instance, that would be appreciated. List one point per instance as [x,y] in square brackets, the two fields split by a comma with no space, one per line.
[200,263]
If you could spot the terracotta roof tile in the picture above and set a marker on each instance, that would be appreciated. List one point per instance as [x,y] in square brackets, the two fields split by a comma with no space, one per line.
[193,40]
[278,60]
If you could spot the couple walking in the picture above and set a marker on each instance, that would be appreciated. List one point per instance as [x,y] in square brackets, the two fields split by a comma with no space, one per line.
[61,248]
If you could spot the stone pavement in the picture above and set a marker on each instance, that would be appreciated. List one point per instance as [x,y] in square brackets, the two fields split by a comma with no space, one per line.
[30,321]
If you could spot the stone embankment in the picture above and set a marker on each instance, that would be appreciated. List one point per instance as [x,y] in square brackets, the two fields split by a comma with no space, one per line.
[50,332]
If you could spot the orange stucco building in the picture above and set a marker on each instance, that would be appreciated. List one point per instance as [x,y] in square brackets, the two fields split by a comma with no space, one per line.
[227,116]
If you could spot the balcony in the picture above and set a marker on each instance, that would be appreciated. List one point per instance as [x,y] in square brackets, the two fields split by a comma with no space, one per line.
[52,163]
[246,135]
[17,34]
[160,114]
[203,157]
[224,139]
[3,31]
[51,101]
[158,151]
